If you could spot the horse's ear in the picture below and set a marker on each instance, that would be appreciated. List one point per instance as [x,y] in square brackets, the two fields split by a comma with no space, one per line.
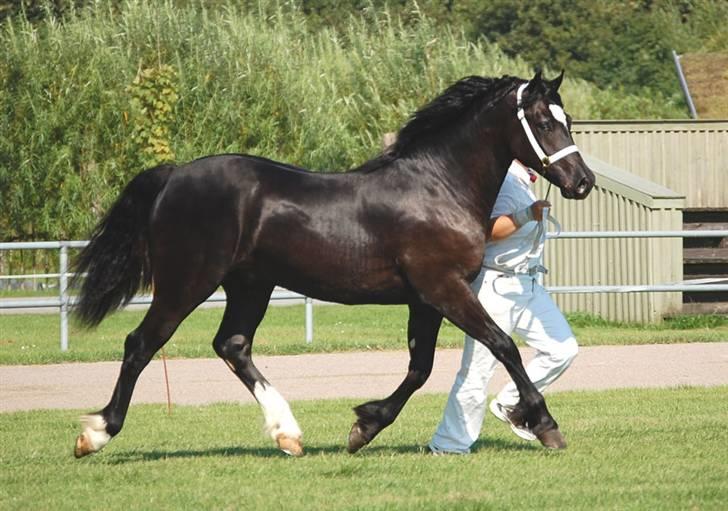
[535,83]
[537,78]
[556,83]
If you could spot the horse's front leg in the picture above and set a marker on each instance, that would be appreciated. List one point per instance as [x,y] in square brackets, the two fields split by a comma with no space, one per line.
[374,416]
[457,302]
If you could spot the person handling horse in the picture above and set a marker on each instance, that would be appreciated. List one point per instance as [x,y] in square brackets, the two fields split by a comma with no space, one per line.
[509,289]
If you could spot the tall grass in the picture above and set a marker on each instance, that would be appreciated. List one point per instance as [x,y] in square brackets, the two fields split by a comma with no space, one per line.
[253,81]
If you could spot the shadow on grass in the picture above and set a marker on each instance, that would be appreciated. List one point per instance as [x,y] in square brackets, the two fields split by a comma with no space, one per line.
[499,444]
[136,456]
[219,452]
[257,452]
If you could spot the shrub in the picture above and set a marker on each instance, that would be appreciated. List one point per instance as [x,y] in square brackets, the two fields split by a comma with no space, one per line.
[254,81]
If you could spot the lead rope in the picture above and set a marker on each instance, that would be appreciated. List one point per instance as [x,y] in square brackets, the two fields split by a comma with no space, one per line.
[166,381]
[550,218]
[166,374]
[540,231]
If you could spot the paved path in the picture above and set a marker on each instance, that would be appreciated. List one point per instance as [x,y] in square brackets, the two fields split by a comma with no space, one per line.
[359,375]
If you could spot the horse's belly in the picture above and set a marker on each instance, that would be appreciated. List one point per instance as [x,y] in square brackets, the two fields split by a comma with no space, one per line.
[339,279]
[350,296]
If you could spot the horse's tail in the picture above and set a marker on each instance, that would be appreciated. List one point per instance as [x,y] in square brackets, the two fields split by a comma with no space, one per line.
[116,260]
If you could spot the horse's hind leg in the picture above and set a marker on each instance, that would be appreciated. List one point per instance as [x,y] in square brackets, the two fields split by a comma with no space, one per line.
[246,304]
[156,328]
[374,416]
[179,290]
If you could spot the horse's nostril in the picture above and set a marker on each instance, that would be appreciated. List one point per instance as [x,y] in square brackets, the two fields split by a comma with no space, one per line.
[582,186]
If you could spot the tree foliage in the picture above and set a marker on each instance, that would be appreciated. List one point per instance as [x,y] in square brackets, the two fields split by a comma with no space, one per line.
[626,45]
[76,113]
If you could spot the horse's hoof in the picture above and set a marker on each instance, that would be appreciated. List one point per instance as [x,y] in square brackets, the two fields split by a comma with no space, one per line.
[93,435]
[291,446]
[356,439]
[83,446]
[552,439]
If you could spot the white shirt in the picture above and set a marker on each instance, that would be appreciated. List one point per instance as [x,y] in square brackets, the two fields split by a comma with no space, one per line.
[521,250]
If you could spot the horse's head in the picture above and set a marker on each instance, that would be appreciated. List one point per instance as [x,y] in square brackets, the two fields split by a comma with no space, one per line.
[543,138]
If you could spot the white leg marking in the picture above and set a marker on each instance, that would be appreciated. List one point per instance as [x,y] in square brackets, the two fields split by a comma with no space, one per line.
[94,427]
[278,417]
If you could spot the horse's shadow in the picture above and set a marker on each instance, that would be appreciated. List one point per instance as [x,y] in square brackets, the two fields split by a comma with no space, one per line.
[134,456]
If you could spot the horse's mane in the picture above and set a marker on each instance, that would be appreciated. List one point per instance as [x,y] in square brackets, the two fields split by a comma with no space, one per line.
[468,95]
[464,96]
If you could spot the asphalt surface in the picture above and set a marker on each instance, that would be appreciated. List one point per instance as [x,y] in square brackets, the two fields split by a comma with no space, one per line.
[88,386]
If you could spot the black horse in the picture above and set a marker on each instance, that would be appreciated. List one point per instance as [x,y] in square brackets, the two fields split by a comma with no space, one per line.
[408,227]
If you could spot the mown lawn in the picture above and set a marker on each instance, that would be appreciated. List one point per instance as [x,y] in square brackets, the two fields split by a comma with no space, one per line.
[628,449]
[33,338]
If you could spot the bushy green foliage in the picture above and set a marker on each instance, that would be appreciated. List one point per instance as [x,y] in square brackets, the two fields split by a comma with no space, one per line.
[153,96]
[254,81]
[609,43]
[624,45]
[694,25]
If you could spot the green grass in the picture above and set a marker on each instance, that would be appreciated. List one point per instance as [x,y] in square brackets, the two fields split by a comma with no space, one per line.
[33,338]
[16,294]
[628,449]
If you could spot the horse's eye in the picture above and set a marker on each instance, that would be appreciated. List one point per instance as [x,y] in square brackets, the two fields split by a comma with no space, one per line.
[544,126]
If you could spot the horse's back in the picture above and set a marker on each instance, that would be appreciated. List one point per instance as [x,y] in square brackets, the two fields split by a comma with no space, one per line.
[316,233]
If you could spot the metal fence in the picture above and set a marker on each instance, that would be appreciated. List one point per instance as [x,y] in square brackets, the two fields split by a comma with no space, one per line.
[64,300]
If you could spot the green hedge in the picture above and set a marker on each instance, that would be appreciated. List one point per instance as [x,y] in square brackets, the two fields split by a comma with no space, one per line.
[254,81]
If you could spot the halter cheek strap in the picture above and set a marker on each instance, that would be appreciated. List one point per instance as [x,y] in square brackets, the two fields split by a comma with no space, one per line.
[546,160]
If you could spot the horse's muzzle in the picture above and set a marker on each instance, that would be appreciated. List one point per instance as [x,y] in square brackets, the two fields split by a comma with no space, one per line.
[580,190]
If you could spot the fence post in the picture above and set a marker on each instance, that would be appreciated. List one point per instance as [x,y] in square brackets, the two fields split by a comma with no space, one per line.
[63,289]
[309,320]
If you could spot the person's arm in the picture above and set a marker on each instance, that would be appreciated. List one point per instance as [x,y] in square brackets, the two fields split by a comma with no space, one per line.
[503,226]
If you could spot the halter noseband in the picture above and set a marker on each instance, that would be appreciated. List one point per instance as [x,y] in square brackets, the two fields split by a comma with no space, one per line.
[546,160]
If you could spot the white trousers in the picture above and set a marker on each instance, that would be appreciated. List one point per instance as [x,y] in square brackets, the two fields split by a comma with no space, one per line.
[517,304]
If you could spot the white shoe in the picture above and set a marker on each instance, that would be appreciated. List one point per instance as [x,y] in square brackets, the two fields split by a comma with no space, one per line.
[502,414]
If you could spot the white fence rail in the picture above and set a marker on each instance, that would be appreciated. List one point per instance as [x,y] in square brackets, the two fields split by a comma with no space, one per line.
[64,301]
[698,285]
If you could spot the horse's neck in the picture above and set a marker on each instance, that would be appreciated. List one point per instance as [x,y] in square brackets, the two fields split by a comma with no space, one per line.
[477,169]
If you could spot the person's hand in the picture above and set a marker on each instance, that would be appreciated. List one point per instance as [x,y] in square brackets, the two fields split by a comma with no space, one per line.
[537,209]
[531,213]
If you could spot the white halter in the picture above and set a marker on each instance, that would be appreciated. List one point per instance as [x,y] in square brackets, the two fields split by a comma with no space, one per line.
[545,159]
